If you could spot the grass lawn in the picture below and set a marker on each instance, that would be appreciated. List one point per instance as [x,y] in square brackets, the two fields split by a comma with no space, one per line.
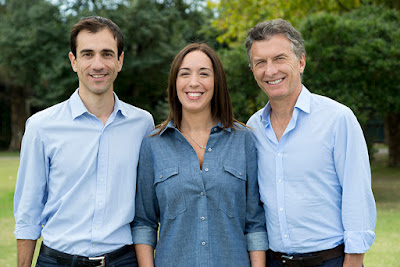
[386,187]
[385,184]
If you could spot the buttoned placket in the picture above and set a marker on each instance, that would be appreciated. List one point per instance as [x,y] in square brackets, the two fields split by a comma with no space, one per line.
[204,247]
[101,179]
[280,187]
[280,181]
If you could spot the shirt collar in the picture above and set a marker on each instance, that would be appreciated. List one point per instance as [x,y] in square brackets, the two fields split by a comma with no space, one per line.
[303,103]
[304,100]
[171,125]
[78,107]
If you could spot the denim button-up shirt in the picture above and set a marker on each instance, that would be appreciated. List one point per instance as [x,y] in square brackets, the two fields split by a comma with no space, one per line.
[208,217]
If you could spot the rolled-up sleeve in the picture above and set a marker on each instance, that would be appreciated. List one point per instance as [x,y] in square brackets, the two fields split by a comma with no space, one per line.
[145,224]
[256,235]
[30,191]
[353,169]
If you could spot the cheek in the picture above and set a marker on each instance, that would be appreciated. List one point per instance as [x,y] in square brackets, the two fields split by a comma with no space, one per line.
[180,84]
[210,84]
[258,74]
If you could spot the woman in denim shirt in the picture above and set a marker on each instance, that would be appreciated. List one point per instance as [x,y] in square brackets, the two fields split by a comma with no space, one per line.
[197,176]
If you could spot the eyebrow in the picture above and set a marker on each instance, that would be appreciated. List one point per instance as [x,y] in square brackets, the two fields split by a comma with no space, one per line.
[281,55]
[200,69]
[108,51]
[91,51]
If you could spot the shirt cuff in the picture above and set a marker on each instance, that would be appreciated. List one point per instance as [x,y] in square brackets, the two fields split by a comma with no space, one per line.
[358,242]
[144,235]
[28,232]
[257,241]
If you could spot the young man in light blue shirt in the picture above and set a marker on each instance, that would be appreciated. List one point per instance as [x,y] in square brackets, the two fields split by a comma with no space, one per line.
[314,173]
[77,177]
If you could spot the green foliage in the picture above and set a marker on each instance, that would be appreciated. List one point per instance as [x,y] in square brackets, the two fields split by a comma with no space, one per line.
[32,39]
[354,58]
[238,16]
[246,96]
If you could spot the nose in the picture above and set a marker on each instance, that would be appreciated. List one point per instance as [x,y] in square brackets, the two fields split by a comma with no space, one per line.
[97,63]
[270,69]
[194,81]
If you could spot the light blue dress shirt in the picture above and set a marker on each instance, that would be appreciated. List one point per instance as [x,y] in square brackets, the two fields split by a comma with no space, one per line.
[208,217]
[315,182]
[77,177]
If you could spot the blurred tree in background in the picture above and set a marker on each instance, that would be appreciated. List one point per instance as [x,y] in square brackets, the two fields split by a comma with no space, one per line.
[238,16]
[355,59]
[32,38]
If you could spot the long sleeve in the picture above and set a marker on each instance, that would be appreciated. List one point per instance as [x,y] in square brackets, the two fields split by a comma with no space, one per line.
[30,193]
[353,169]
[256,235]
[145,224]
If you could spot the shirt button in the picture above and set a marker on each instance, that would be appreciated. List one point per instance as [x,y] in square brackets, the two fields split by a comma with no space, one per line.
[215,129]
[279,154]
[203,243]
[206,169]
[209,149]
[280,180]
[281,209]
[161,176]
[203,218]
[201,193]
[101,179]
[240,173]
[285,236]
[100,203]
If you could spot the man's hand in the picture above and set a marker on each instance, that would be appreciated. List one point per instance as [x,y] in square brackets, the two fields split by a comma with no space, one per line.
[25,249]
[353,260]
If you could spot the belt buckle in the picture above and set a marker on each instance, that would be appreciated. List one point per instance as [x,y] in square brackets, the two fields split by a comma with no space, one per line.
[286,257]
[100,258]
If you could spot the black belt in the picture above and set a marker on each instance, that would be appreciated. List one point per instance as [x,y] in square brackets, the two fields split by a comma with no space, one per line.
[315,258]
[64,258]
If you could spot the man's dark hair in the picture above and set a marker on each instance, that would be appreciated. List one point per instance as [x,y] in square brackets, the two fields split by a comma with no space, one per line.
[95,24]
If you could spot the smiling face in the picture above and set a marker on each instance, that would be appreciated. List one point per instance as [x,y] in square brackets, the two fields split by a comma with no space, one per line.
[276,68]
[195,83]
[96,62]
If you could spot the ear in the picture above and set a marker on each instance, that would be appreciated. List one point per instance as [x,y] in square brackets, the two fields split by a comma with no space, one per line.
[302,63]
[73,60]
[120,61]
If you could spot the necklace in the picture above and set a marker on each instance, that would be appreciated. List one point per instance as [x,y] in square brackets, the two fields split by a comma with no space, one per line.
[203,147]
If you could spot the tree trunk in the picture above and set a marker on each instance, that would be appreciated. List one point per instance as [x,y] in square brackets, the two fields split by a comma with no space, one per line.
[392,136]
[19,114]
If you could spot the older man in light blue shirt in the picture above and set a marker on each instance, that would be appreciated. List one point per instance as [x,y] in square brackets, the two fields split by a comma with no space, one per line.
[314,172]
[77,178]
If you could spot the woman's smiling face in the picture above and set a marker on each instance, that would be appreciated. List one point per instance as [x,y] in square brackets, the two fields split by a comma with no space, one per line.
[195,82]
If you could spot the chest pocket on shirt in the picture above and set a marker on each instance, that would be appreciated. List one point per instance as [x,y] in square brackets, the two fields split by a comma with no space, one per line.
[232,194]
[170,199]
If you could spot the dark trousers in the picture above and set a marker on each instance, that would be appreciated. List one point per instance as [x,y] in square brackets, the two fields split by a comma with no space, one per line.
[129,259]
[336,262]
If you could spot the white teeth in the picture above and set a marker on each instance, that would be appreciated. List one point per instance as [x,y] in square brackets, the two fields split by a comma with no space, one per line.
[275,82]
[98,76]
[194,94]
